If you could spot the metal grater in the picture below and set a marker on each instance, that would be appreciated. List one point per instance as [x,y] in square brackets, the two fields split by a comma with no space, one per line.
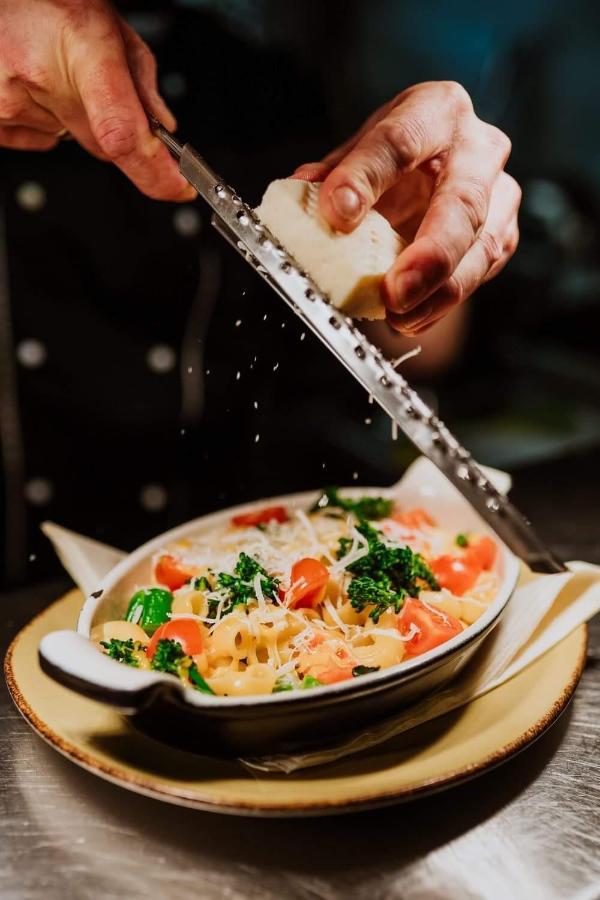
[238,223]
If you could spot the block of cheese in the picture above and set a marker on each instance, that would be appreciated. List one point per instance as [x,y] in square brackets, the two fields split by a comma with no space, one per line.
[346,267]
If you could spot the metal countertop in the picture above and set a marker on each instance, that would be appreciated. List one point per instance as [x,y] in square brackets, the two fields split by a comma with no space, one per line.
[529,829]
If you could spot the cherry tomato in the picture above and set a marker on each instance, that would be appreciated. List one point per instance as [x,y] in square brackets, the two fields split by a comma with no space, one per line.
[186,631]
[308,582]
[414,518]
[171,572]
[482,552]
[434,627]
[261,516]
[456,573]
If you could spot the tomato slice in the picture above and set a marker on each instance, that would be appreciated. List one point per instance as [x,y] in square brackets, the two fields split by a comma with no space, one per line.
[434,627]
[456,573]
[329,662]
[482,552]
[308,580]
[414,518]
[261,516]
[186,631]
[171,572]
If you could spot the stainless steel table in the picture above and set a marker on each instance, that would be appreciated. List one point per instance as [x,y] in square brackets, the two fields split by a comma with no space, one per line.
[529,829]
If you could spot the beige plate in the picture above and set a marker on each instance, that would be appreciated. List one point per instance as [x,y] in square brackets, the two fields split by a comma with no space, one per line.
[451,749]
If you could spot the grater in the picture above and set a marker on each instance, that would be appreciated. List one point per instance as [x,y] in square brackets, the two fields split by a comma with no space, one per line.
[238,224]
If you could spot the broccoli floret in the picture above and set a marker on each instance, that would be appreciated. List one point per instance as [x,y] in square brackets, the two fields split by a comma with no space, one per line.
[365,591]
[240,585]
[201,584]
[386,575]
[461,540]
[403,566]
[169,657]
[124,651]
[363,508]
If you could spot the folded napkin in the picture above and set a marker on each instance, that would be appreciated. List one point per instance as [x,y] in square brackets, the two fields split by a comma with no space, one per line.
[543,610]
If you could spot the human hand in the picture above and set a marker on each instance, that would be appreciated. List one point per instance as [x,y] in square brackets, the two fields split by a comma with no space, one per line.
[436,172]
[77,66]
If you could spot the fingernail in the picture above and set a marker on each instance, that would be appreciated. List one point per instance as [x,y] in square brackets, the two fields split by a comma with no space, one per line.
[410,287]
[346,203]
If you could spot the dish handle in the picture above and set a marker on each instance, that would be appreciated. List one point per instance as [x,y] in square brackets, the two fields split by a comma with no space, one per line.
[73,661]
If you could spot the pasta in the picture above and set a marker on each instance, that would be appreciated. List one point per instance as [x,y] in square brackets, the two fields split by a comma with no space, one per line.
[282,599]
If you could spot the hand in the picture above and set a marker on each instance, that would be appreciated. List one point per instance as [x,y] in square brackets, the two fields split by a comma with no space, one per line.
[75,65]
[435,171]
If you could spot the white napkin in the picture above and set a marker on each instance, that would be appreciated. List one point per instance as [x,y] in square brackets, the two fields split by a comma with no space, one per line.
[543,610]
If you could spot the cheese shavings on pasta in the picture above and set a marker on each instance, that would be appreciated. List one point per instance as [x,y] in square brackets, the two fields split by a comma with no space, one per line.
[281,600]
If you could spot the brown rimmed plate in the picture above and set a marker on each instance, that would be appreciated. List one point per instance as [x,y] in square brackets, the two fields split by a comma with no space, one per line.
[442,753]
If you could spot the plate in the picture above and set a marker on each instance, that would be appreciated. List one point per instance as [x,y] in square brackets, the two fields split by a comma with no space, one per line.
[451,749]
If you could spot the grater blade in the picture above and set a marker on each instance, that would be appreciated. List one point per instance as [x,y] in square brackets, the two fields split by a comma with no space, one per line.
[238,223]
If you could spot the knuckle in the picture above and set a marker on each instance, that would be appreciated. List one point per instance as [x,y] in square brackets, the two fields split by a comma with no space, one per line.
[473,196]
[498,141]
[116,137]
[29,74]
[404,138]
[491,247]
[512,187]
[457,95]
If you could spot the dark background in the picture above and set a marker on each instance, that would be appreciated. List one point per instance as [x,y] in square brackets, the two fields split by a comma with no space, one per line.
[121,409]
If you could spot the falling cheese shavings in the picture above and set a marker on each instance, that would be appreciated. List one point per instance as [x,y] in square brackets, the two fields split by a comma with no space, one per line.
[317,547]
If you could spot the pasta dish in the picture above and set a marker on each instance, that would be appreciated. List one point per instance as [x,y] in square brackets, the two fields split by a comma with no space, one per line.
[290,599]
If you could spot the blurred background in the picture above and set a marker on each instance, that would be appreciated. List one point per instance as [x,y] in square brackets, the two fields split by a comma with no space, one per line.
[146,374]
